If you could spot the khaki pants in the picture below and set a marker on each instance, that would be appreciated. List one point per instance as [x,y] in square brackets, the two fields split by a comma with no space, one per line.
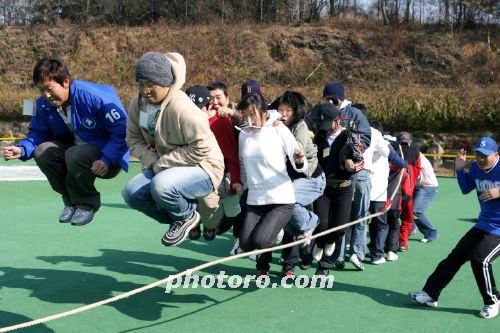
[216,205]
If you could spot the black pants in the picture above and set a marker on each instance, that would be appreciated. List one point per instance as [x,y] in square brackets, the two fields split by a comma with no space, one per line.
[67,168]
[392,241]
[478,247]
[290,255]
[261,225]
[333,209]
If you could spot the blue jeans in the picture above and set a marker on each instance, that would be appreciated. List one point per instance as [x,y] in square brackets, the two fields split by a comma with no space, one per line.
[169,195]
[306,190]
[422,197]
[360,208]
[378,230]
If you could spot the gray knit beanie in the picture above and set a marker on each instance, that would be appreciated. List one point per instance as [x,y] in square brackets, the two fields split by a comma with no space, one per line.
[154,67]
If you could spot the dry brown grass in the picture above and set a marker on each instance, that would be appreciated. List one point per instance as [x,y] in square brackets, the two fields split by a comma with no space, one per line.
[419,79]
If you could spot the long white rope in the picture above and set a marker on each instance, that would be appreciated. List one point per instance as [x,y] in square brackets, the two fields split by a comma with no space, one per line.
[195,269]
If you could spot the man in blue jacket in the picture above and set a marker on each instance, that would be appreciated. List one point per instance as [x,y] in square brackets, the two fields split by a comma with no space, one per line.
[481,244]
[76,134]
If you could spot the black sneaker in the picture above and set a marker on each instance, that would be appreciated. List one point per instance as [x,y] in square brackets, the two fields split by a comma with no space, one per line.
[322,271]
[179,230]
[340,264]
[208,234]
[195,233]
[305,264]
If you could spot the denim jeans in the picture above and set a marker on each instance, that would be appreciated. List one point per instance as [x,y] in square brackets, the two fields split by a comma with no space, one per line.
[378,230]
[422,197]
[306,190]
[169,195]
[360,209]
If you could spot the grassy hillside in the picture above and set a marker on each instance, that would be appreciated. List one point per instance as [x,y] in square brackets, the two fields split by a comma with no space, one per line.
[417,79]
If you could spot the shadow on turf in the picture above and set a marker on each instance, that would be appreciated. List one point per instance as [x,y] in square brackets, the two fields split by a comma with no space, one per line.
[114,205]
[73,286]
[10,319]
[391,298]
[472,220]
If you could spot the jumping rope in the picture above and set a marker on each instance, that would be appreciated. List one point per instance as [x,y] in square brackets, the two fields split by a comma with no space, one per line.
[201,267]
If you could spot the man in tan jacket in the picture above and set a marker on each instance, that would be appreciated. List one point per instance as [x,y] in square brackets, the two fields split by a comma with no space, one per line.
[180,157]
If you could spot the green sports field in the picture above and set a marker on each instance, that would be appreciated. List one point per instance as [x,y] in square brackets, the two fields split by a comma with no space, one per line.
[47,268]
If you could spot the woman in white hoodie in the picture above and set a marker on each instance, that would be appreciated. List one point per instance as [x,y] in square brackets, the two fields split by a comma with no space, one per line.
[263,150]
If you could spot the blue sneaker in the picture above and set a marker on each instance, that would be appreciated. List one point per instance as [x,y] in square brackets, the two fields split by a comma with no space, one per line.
[67,214]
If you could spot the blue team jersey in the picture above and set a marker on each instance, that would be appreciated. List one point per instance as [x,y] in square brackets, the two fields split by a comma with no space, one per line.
[98,118]
[489,217]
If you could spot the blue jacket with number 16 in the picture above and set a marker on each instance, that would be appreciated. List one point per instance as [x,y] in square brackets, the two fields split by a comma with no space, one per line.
[98,118]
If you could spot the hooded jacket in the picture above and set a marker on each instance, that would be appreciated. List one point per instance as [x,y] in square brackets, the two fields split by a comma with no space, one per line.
[182,134]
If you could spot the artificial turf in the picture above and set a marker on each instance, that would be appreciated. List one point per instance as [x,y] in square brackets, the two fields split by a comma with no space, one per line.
[47,267]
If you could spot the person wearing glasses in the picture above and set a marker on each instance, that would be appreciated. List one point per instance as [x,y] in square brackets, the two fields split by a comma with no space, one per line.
[264,149]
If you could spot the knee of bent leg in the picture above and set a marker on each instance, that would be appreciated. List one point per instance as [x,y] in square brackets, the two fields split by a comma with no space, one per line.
[417,212]
[163,188]
[262,242]
[245,244]
[131,196]
[74,157]
[42,152]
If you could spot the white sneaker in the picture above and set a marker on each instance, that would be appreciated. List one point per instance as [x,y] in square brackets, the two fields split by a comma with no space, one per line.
[391,256]
[425,240]
[423,298]
[328,249]
[356,262]
[490,311]
[317,253]
[379,261]
[236,247]
[279,237]
[254,257]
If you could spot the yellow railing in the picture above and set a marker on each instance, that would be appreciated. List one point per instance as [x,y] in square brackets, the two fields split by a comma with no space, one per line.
[12,139]
[446,155]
